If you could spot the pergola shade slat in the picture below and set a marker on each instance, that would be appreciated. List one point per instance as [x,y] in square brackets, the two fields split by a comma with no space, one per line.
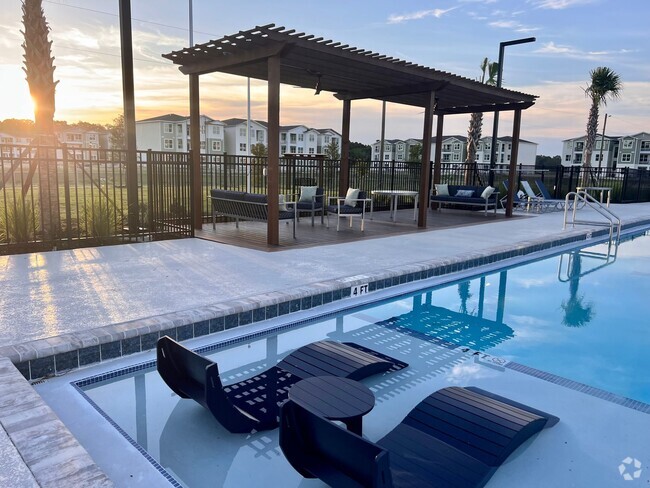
[281,56]
[351,72]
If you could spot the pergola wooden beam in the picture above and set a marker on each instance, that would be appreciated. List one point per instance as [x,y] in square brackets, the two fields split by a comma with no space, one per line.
[284,56]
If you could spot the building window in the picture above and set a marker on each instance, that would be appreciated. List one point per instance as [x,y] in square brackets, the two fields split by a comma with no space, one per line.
[626,158]
[283,149]
[456,157]
[486,157]
[579,146]
[179,143]
[446,158]
[509,147]
[628,143]
[242,146]
[578,159]
[283,136]
[643,159]
[386,147]
[327,139]
[645,145]
[446,147]
[301,137]
[292,138]
[311,150]
[259,136]
[386,157]
[216,145]
[400,147]
[168,128]
[168,144]
[301,150]
[400,157]
[457,146]
[597,157]
[292,149]
[311,138]
[488,145]
[216,130]
[242,132]
[203,145]
[179,129]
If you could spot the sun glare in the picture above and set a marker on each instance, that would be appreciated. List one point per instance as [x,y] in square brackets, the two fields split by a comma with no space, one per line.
[15,100]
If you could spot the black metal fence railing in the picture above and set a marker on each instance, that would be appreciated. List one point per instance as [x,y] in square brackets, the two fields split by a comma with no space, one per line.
[61,197]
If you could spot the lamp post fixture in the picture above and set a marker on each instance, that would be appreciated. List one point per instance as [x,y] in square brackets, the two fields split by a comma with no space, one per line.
[602,143]
[495,126]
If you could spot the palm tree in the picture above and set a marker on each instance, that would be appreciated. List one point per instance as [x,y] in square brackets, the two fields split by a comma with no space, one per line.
[604,83]
[464,295]
[476,121]
[576,313]
[39,68]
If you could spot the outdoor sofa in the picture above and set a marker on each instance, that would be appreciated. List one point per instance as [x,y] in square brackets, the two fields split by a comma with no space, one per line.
[465,196]
[246,206]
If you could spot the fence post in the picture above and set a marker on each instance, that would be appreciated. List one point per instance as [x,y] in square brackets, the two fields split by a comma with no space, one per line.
[151,186]
[625,180]
[66,191]
[392,175]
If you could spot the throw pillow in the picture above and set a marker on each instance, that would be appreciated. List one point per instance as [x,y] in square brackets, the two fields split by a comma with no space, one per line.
[283,204]
[442,190]
[351,196]
[464,193]
[489,190]
[307,192]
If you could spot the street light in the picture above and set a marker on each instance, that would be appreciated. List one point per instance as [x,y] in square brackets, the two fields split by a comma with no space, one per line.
[602,142]
[495,126]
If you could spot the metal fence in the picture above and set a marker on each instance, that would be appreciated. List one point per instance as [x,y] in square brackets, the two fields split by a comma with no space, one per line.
[61,197]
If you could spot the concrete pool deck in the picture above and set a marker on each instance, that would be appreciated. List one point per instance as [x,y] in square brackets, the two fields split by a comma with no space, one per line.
[76,297]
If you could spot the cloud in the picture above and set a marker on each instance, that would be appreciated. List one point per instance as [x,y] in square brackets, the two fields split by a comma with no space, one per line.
[559,4]
[513,25]
[401,18]
[79,38]
[572,52]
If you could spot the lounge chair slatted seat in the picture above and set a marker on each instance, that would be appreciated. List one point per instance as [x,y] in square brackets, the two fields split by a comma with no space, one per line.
[456,437]
[253,404]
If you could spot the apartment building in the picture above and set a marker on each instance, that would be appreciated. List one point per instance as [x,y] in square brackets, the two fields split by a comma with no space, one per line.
[236,135]
[325,138]
[394,149]
[629,151]
[526,155]
[171,132]
[298,139]
[454,149]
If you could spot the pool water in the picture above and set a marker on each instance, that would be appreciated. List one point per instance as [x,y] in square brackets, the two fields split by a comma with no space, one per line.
[579,315]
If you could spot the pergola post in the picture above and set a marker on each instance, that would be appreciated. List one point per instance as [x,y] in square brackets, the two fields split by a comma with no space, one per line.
[273,171]
[437,158]
[128,97]
[425,167]
[516,128]
[344,173]
[196,192]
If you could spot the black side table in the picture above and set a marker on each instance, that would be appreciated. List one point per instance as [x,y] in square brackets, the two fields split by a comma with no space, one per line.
[335,398]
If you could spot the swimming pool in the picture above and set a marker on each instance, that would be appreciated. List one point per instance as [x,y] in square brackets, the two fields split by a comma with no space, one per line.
[555,315]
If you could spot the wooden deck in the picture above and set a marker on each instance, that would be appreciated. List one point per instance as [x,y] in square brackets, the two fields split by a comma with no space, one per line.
[253,234]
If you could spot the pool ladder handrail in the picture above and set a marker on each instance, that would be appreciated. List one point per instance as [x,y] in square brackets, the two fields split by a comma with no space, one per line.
[613,220]
[608,259]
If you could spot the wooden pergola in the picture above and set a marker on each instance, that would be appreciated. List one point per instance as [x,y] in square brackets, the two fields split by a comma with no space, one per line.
[285,56]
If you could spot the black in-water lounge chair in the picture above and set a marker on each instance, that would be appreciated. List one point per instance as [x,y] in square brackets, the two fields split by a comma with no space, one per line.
[456,437]
[253,404]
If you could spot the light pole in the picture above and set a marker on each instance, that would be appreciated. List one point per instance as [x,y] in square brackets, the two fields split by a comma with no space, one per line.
[602,143]
[495,126]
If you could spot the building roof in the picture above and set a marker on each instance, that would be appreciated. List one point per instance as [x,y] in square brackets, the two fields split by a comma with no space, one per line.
[166,118]
[237,121]
[350,73]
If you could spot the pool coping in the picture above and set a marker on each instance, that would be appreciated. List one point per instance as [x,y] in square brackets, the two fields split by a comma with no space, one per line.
[57,355]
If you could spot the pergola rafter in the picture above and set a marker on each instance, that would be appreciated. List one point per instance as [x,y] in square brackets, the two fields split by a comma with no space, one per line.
[278,55]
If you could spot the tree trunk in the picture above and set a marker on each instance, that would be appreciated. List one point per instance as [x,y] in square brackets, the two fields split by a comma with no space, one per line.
[39,70]
[592,129]
[473,137]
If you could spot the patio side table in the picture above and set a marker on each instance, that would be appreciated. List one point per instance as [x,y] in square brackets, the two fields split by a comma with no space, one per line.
[335,398]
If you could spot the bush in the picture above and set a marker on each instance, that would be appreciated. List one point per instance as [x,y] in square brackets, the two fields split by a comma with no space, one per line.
[98,221]
[19,223]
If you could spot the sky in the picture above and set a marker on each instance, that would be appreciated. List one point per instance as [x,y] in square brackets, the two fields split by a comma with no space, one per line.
[573,38]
